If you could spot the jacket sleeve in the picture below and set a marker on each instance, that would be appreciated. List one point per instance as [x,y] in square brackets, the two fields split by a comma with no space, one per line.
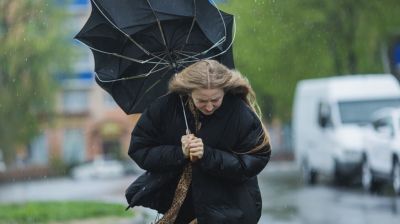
[145,147]
[237,165]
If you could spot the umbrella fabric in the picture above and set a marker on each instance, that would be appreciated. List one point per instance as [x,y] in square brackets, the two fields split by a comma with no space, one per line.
[138,45]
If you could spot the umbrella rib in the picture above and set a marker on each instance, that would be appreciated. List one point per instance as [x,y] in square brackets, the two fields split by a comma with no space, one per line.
[160,56]
[191,26]
[144,75]
[186,55]
[219,42]
[129,58]
[125,34]
[161,30]
[158,23]
[147,74]
[151,87]
[133,77]
[151,70]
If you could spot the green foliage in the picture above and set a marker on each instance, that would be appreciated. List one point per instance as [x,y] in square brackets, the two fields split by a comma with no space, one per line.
[279,42]
[44,212]
[33,46]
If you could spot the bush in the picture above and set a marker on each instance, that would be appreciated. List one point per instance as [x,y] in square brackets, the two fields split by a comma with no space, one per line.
[44,212]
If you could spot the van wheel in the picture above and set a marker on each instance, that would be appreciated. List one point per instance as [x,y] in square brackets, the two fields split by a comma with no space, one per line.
[366,176]
[367,179]
[309,175]
[396,177]
[338,178]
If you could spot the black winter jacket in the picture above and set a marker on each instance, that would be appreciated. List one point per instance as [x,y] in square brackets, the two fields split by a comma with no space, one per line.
[224,185]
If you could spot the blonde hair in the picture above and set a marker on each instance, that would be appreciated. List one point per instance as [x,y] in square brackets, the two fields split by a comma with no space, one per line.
[210,74]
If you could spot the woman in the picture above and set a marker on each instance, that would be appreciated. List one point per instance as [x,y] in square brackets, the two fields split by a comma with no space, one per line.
[210,174]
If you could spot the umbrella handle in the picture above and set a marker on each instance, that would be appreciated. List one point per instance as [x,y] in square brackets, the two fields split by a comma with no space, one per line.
[192,158]
[184,115]
[186,123]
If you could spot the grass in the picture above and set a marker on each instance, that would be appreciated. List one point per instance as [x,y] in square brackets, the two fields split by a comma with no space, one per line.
[44,212]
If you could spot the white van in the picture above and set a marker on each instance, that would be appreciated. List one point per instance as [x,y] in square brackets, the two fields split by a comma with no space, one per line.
[329,118]
[381,162]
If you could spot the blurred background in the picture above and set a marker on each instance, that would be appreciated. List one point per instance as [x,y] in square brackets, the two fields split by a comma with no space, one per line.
[326,75]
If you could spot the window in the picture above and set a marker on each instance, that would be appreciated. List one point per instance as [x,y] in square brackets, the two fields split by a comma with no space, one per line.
[38,150]
[324,115]
[384,125]
[74,149]
[75,101]
[360,111]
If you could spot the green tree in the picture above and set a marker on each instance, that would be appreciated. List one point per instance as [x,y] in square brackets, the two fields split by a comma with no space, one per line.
[33,47]
[279,42]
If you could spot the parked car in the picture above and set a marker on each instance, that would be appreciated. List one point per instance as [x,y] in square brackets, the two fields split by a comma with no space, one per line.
[329,115]
[2,163]
[98,168]
[381,161]
[130,167]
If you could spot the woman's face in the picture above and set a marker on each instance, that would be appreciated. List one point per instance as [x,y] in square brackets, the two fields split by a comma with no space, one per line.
[207,100]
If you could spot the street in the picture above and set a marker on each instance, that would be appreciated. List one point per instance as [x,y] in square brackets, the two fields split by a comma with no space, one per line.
[285,199]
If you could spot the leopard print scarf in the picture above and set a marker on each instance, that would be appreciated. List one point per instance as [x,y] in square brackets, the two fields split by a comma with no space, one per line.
[184,181]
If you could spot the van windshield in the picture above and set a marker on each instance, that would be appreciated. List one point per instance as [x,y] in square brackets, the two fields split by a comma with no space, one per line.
[360,111]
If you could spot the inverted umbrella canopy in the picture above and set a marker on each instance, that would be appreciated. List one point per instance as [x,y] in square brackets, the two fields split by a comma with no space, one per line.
[138,45]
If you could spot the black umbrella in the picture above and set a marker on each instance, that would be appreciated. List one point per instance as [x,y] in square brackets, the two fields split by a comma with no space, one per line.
[139,44]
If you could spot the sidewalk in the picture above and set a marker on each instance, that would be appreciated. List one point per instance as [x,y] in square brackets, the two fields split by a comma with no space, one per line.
[141,216]
[107,220]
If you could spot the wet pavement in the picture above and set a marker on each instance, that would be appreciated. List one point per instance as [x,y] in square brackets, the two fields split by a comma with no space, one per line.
[285,199]
[56,189]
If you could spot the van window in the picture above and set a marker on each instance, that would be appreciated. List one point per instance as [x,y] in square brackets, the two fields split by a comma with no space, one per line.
[380,123]
[324,115]
[383,124]
[360,112]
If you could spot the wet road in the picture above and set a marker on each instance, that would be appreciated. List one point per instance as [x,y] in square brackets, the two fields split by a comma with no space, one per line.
[285,199]
[57,189]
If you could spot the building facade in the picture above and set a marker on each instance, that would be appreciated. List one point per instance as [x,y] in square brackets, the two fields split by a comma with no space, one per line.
[88,123]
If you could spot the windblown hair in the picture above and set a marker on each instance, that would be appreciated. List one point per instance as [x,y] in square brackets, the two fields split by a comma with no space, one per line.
[210,74]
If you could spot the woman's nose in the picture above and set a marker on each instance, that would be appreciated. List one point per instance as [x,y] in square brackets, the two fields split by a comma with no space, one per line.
[209,106]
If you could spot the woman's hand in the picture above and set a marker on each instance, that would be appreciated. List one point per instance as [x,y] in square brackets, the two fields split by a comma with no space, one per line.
[185,140]
[196,149]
